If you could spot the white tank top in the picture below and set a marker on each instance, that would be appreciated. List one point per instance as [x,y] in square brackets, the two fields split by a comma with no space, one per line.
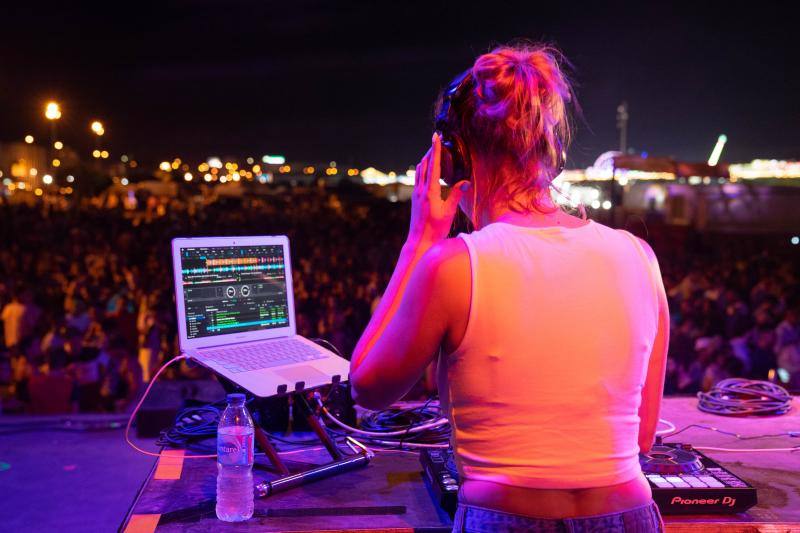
[544,389]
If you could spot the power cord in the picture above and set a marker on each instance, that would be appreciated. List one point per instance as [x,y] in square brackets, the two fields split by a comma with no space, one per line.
[139,405]
[669,429]
[178,434]
[328,344]
[741,437]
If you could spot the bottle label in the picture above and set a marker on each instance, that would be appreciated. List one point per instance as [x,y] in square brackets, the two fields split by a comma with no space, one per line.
[235,449]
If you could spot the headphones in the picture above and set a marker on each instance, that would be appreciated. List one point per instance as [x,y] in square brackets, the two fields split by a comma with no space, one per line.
[456,160]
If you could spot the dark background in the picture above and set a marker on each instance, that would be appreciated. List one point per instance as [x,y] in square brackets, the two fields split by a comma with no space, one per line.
[355,81]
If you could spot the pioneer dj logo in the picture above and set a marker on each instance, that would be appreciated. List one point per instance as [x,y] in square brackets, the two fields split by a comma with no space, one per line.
[726,501]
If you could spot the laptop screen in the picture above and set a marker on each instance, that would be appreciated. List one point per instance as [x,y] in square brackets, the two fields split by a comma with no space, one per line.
[232,289]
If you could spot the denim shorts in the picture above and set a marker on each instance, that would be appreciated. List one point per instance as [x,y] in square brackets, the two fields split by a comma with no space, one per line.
[471,519]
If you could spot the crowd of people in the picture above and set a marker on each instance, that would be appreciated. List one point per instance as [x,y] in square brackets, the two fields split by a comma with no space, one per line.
[734,307]
[87,307]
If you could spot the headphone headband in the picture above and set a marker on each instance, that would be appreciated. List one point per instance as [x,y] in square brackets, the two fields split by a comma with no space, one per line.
[460,164]
[453,93]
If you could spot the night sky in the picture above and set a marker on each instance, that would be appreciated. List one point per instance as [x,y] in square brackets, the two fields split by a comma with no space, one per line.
[354,82]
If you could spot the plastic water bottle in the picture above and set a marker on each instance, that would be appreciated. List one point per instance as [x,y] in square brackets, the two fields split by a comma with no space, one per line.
[235,462]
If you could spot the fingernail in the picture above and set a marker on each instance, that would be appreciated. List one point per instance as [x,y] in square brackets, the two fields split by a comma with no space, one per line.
[465,186]
[435,134]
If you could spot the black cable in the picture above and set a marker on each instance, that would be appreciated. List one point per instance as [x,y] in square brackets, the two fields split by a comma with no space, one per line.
[191,424]
[396,419]
[420,410]
[399,419]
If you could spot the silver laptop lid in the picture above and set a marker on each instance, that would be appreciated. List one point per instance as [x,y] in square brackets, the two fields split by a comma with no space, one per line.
[232,289]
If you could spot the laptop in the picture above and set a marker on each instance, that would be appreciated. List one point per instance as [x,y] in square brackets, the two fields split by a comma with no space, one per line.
[236,315]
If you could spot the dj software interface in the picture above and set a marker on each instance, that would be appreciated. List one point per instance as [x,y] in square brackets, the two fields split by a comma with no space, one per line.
[233,289]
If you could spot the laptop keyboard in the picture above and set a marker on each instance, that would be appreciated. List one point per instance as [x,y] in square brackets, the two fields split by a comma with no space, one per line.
[256,356]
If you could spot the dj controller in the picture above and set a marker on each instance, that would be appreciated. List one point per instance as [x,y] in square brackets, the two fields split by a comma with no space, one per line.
[683,481]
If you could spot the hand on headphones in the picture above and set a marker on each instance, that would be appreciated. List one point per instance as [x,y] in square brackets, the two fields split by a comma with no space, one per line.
[431,216]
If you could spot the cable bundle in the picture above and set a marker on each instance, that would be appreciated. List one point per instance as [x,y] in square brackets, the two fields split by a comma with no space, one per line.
[404,420]
[191,424]
[743,397]
[411,427]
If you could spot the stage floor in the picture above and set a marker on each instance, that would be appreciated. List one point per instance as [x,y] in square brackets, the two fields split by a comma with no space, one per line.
[67,480]
[88,480]
[390,494]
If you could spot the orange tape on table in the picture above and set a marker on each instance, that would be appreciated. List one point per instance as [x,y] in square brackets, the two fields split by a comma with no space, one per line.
[170,465]
[142,523]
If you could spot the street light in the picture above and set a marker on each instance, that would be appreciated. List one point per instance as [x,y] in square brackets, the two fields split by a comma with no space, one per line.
[52,111]
[97,128]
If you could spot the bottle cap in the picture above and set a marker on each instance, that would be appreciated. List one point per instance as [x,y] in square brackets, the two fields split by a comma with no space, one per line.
[236,397]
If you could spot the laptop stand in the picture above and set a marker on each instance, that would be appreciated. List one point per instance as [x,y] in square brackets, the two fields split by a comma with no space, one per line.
[287,480]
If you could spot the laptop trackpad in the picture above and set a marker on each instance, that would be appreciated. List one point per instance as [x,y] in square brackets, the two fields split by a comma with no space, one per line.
[301,373]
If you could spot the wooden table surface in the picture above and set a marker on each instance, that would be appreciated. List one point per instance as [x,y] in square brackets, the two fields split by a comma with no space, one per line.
[391,495]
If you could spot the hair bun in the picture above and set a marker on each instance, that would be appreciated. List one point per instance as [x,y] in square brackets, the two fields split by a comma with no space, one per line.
[519,110]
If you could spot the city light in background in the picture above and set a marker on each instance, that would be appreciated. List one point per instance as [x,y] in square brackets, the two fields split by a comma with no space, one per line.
[576,186]
[274,159]
[97,128]
[52,111]
[717,152]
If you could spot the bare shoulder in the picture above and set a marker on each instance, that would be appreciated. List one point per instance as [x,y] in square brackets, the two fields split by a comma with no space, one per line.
[447,254]
[447,264]
[449,274]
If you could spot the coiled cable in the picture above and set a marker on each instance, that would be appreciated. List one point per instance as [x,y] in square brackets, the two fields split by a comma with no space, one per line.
[410,427]
[745,397]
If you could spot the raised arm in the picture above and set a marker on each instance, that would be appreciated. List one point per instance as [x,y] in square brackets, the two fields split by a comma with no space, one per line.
[408,324]
[653,390]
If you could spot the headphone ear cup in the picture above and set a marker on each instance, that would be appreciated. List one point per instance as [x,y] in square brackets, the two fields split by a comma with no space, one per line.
[447,168]
[462,163]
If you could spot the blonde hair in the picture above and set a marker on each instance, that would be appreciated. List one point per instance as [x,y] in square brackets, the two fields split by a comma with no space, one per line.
[516,114]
